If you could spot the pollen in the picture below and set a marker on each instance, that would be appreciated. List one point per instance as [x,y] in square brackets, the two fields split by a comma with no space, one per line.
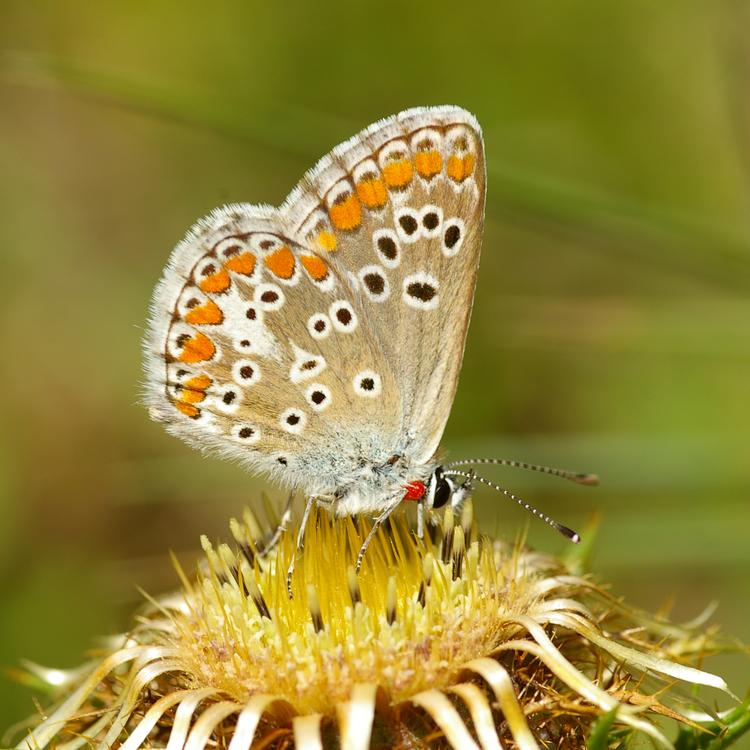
[280,263]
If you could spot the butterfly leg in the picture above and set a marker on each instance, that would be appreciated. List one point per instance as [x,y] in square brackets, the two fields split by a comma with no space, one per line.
[300,540]
[378,523]
[281,527]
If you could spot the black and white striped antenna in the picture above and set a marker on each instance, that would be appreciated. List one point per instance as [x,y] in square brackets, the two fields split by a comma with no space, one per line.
[562,529]
[572,476]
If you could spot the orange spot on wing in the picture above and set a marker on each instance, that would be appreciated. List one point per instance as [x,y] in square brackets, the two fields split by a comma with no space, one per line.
[280,262]
[243,263]
[347,214]
[197,349]
[459,168]
[192,397]
[198,383]
[315,266]
[193,391]
[372,193]
[216,282]
[188,409]
[327,240]
[428,163]
[398,174]
[208,314]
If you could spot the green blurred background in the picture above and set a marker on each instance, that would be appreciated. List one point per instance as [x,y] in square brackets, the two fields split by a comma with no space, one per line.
[612,317]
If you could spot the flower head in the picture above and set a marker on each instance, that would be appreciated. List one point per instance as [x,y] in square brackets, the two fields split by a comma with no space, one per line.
[452,641]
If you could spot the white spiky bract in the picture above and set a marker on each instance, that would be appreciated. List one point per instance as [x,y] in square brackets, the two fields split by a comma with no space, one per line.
[459,640]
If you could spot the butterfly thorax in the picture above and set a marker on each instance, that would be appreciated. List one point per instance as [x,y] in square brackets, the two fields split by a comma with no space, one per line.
[362,474]
[375,486]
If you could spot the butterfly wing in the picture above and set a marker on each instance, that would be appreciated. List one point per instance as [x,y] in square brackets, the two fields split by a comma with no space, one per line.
[307,340]
[403,207]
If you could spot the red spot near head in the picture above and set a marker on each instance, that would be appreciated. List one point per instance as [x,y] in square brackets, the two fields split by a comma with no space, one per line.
[415,490]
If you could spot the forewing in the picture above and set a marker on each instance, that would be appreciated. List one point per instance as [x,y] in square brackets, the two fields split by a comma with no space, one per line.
[402,219]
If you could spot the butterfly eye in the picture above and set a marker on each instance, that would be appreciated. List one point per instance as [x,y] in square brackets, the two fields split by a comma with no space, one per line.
[442,494]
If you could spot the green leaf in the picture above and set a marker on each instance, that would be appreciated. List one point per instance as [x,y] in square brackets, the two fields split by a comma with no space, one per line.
[718,734]
[577,556]
[600,732]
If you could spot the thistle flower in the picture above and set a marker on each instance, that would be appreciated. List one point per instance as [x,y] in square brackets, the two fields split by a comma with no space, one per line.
[454,641]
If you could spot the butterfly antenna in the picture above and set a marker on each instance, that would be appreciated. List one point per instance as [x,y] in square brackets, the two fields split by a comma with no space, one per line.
[564,530]
[572,476]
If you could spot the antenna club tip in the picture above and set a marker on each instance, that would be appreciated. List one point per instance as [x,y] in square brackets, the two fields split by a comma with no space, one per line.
[574,536]
[590,480]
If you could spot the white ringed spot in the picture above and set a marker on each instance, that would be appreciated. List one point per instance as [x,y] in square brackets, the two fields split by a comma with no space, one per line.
[343,317]
[318,396]
[387,247]
[375,283]
[293,420]
[319,326]
[431,220]
[246,372]
[453,236]
[367,383]
[269,297]
[306,365]
[421,291]
[407,225]
[228,400]
[264,242]
[248,434]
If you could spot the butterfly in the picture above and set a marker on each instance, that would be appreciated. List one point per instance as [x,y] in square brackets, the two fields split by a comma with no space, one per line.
[320,342]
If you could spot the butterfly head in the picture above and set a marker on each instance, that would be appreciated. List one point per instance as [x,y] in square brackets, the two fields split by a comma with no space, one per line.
[439,490]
